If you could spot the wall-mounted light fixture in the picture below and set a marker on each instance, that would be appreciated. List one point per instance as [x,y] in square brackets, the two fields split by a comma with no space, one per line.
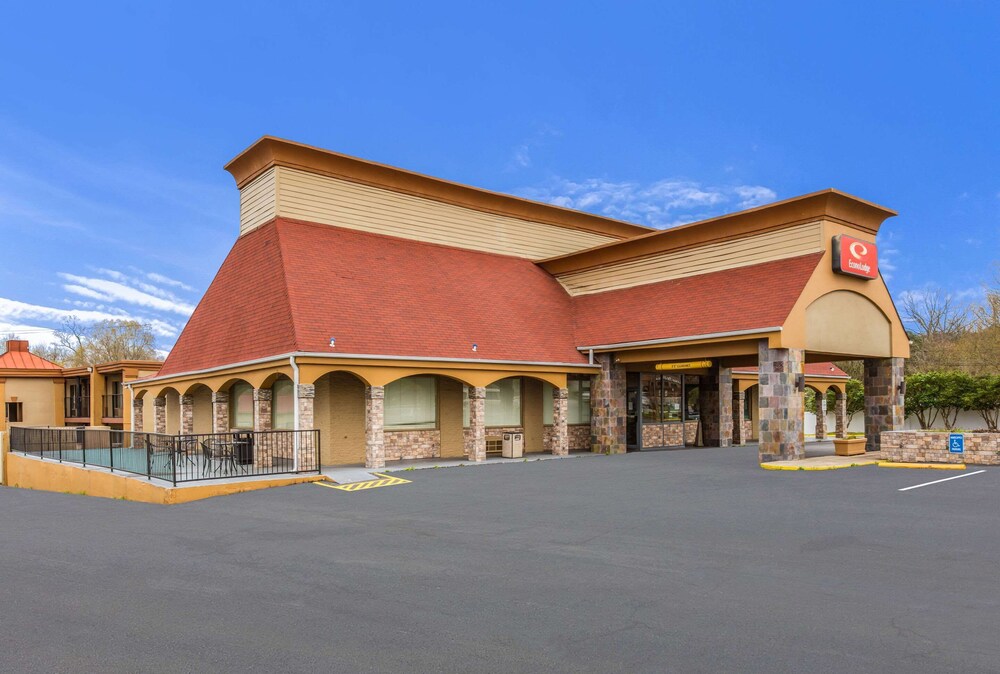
[800,383]
[902,388]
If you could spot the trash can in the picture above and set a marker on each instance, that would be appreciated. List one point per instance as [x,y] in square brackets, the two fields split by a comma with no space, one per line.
[513,446]
[243,448]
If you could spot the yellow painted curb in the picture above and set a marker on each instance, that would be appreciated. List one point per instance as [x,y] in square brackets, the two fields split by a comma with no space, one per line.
[769,466]
[933,466]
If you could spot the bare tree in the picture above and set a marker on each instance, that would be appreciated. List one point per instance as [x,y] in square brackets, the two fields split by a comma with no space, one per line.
[935,314]
[6,338]
[105,342]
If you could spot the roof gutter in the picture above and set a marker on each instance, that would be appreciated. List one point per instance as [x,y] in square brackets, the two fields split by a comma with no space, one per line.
[674,340]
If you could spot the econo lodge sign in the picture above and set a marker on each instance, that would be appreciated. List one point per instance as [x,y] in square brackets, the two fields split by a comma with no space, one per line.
[855,257]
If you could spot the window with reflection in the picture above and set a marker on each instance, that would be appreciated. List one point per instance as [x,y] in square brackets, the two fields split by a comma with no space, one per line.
[282,405]
[241,406]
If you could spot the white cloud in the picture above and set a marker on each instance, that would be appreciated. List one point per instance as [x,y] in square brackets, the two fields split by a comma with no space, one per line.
[663,203]
[104,290]
[167,281]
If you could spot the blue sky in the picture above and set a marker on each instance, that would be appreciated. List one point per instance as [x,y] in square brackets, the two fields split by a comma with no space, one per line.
[116,119]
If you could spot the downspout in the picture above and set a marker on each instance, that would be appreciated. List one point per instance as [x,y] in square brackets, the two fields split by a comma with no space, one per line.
[591,357]
[295,410]
[131,409]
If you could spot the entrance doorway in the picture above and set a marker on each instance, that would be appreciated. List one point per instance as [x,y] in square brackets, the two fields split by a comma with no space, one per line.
[662,410]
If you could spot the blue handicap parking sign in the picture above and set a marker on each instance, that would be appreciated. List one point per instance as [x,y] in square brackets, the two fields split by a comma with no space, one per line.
[956,443]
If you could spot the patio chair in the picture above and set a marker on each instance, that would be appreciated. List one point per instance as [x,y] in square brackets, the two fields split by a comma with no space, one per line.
[215,456]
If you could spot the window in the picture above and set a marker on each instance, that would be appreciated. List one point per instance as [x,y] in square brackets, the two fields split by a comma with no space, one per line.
[503,403]
[411,404]
[692,397]
[241,406]
[282,405]
[14,412]
[661,397]
[579,400]
[578,405]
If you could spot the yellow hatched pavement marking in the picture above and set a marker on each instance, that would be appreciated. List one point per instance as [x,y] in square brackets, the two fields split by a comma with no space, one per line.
[384,481]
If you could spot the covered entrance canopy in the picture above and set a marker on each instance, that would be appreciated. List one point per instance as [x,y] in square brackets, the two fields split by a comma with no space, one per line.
[764,289]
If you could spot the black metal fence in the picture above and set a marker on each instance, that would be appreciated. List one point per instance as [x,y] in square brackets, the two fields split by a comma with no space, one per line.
[175,458]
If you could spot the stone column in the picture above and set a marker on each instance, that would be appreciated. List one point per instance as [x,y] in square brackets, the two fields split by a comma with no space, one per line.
[840,415]
[160,415]
[883,399]
[263,454]
[262,409]
[220,411]
[477,423]
[782,412]
[138,405]
[739,398]
[560,427]
[187,415]
[716,401]
[305,398]
[375,427]
[607,407]
[821,415]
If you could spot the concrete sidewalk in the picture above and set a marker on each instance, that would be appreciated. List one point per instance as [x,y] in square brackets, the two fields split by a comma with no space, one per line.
[358,473]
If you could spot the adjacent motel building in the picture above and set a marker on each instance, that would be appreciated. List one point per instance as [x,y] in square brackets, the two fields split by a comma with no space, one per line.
[406,316]
[36,392]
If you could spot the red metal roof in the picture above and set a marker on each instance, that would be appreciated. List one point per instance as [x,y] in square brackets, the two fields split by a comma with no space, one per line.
[17,357]
[292,286]
[746,298]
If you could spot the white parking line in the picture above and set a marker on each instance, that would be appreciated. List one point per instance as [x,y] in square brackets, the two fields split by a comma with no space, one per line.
[954,477]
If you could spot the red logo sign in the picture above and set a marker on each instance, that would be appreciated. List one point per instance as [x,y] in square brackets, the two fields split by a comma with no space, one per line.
[855,257]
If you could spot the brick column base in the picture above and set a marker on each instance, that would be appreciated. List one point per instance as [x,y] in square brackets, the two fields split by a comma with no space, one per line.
[883,400]
[160,415]
[607,407]
[560,428]
[305,397]
[821,415]
[715,398]
[375,427]
[477,423]
[187,415]
[739,400]
[138,405]
[220,412]
[840,415]
[782,409]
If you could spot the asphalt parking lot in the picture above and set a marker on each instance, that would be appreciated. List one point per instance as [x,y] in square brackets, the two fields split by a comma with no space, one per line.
[689,561]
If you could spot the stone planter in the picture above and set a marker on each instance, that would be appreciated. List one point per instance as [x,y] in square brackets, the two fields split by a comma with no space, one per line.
[932,447]
[848,446]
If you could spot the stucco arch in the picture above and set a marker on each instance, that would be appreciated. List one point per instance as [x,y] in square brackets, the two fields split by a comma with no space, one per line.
[310,374]
[846,322]
[555,379]
[269,381]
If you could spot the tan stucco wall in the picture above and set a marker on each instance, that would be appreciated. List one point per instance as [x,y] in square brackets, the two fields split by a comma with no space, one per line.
[202,411]
[339,410]
[38,400]
[32,473]
[450,418]
[846,322]
[531,414]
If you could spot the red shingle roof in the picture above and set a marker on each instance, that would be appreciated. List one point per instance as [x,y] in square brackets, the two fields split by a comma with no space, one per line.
[376,295]
[811,370]
[291,286]
[746,298]
[17,357]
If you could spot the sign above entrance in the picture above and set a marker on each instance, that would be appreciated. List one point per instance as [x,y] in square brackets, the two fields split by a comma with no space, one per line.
[687,365]
[855,257]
